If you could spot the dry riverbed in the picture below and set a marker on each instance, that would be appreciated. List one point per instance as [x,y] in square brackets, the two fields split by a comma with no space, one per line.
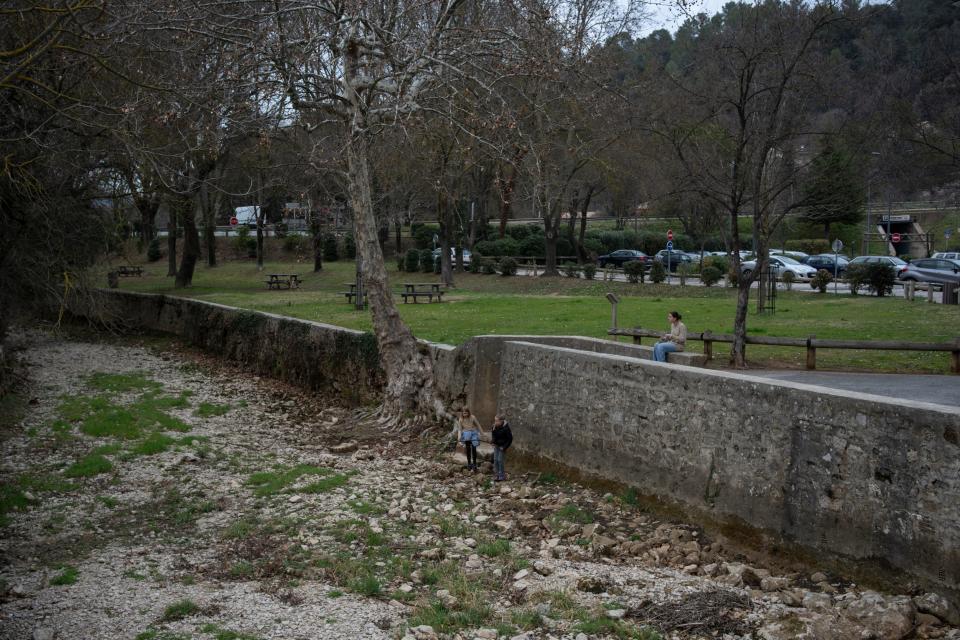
[152,493]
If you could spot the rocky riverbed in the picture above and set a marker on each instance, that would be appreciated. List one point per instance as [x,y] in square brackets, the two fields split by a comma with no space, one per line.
[150,492]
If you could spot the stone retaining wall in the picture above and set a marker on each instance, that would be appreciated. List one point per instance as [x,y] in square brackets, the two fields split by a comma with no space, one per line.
[848,473]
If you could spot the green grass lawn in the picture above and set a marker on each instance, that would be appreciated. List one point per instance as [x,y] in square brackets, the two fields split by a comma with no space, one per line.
[488,304]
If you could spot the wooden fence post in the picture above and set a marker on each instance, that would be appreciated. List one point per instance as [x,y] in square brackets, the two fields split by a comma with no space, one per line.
[637,339]
[955,356]
[929,292]
[708,344]
[811,354]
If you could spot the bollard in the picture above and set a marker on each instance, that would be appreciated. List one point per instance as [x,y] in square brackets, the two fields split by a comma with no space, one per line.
[811,354]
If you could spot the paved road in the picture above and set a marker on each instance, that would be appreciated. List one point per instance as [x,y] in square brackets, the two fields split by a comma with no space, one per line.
[938,389]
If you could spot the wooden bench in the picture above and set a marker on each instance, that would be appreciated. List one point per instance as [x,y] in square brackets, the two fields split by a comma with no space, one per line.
[351,295]
[676,357]
[126,271]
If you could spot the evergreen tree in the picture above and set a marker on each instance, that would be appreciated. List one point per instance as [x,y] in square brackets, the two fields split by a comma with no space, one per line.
[834,189]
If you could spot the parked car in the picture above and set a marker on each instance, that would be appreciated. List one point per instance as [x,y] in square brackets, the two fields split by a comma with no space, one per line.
[948,255]
[896,264]
[826,262]
[677,258]
[453,255]
[620,256]
[781,265]
[932,270]
[796,255]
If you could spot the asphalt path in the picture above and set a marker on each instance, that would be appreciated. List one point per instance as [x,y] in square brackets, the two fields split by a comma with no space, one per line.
[938,389]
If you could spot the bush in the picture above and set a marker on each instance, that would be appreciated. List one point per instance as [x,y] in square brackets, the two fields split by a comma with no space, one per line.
[497,248]
[508,267]
[710,275]
[153,250]
[532,246]
[658,273]
[349,247]
[522,231]
[589,270]
[488,266]
[571,269]
[244,244]
[856,277]
[423,234]
[331,252]
[426,261]
[820,280]
[683,271]
[634,271]
[721,263]
[411,262]
[879,278]
[292,244]
[280,230]
[733,278]
[788,279]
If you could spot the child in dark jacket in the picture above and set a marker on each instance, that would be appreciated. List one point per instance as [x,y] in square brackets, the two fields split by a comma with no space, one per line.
[502,438]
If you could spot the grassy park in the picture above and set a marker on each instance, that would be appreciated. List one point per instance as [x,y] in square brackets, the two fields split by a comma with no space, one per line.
[491,304]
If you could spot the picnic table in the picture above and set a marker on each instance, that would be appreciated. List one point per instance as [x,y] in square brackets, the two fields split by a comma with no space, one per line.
[283,280]
[417,290]
[352,293]
[129,270]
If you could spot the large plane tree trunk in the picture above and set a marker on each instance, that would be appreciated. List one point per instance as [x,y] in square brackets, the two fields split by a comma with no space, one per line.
[191,245]
[409,369]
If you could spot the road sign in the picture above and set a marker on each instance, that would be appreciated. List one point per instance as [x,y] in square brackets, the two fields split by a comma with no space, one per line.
[895,238]
[669,245]
[234,222]
[669,236]
[837,245]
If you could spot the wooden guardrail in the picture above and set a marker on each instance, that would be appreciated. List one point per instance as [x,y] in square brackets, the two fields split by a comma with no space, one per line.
[810,343]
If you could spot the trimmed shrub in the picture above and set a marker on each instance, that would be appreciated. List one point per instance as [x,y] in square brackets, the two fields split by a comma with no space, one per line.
[411,262]
[880,278]
[721,263]
[532,246]
[153,250]
[292,244]
[634,271]
[426,261]
[710,275]
[733,278]
[658,273]
[683,271]
[521,231]
[496,248]
[788,279]
[244,244]
[571,269]
[808,245]
[488,266]
[331,252]
[423,234]
[820,280]
[508,267]
[856,277]
[589,270]
[349,247]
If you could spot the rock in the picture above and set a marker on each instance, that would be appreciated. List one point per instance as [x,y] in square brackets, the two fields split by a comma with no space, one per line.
[294,499]
[522,636]
[616,614]
[928,619]
[591,584]
[504,525]
[406,588]
[486,634]
[520,575]
[604,544]
[542,568]
[937,605]
[818,577]
[816,601]
[432,554]
[885,618]
[481,518]
[447,598]
[774,584]
[792,597]
[43,633]
[589,529]
[521,585]
[750,577]
[345,447]
[424,632]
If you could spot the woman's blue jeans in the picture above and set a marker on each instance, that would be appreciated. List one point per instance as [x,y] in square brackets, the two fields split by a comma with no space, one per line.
[661,349]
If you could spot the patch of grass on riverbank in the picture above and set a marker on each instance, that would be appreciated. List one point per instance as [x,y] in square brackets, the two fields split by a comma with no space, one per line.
[486,304]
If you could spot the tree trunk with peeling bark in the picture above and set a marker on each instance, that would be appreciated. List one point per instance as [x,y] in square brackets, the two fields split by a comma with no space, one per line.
[191,244]
[406,362]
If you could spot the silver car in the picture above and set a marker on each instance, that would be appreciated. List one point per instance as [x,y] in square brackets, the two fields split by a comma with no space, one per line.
[932,270]
[781,265]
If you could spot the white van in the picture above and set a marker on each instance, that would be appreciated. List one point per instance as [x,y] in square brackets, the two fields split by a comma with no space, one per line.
[947,255]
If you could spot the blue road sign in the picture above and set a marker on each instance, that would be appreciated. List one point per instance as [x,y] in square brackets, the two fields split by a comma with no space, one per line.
[669,245]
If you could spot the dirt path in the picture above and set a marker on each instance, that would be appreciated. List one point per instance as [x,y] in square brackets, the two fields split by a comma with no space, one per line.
[151,493]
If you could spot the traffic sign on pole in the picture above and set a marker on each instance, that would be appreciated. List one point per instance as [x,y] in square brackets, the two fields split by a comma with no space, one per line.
[837,245]
[669,234]
[234,222]
[895,238]
[669,245]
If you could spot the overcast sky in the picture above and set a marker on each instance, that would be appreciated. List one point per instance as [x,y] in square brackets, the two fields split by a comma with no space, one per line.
[666,15]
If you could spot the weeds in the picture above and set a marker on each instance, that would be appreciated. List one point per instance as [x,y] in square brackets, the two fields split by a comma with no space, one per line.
[219,633]
[209,410]
[91,465]
[180,610]
[68,575]
[122,382]
[326,484]
[266,483]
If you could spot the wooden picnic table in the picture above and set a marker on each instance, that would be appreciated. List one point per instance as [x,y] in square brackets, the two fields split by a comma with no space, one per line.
[129,270]
[417,290]
[281,280]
